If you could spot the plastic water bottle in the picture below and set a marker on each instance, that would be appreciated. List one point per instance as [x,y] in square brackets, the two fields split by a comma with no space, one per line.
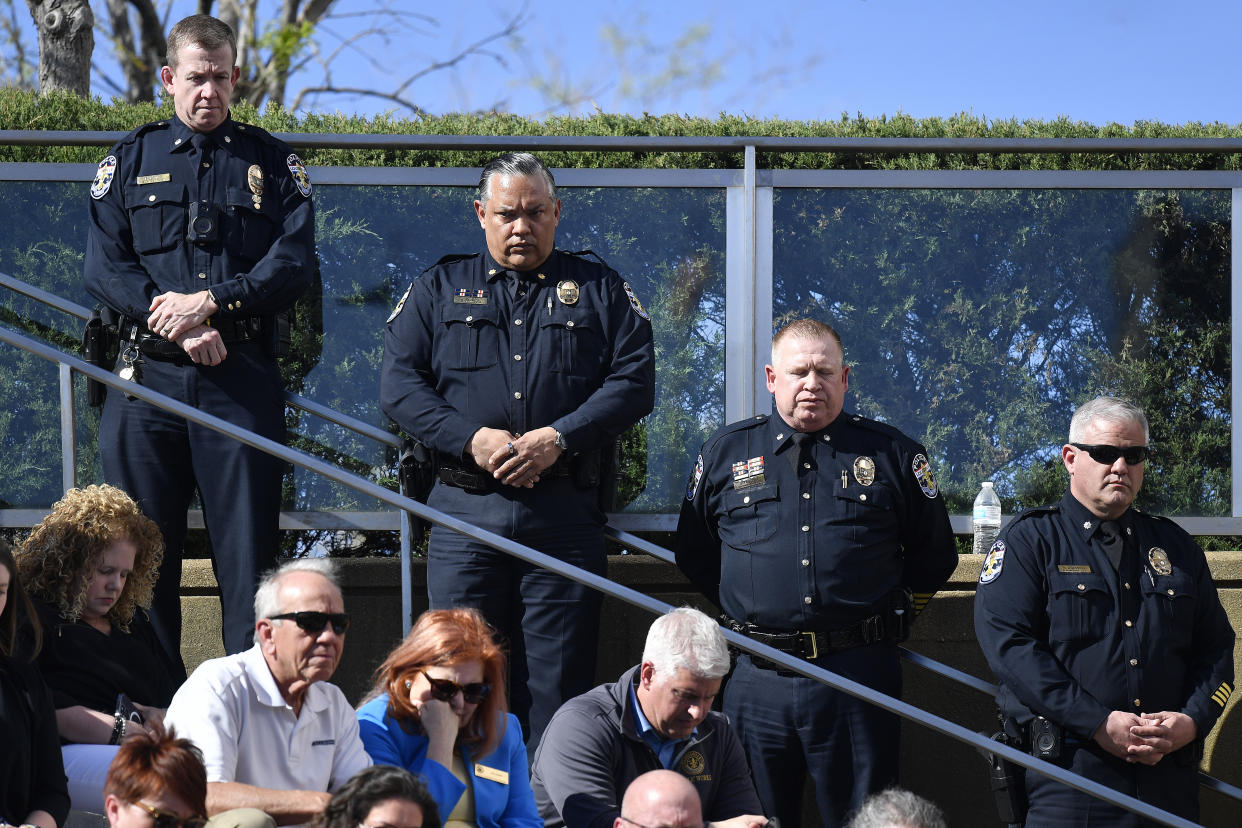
[986,519]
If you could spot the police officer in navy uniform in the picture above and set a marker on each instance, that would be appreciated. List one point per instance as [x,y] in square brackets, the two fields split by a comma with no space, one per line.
[518,366]
[821,534]
[201,233]
[1114,654]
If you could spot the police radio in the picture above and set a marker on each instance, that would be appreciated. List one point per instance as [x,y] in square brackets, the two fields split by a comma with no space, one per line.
[204,224]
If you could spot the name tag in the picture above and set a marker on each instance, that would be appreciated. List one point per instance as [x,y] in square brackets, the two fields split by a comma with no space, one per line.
[1073,568]
[322,742]
[492,774]
[154,179]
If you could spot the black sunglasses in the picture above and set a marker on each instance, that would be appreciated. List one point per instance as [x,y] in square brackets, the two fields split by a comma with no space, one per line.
[444,690]
[314,622]
[167,819]
[1108,454]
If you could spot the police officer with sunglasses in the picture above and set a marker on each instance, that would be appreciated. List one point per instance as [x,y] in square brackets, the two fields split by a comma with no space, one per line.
[1114,654]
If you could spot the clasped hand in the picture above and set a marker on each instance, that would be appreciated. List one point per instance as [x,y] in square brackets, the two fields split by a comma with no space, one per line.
[515,460]
[1146,738]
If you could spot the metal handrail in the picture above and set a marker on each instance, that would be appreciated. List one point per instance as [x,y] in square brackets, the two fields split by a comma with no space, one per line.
[679,143]
[600,583]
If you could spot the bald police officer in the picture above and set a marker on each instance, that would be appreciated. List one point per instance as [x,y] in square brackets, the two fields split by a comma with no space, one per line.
[201,234]
[811,529]
[1114,654]
[518,366]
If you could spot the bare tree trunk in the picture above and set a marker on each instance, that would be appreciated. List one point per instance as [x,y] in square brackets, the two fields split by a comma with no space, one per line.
[123,42]
[66,39]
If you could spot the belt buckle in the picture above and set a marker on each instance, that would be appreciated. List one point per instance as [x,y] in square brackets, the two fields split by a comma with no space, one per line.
[814,647]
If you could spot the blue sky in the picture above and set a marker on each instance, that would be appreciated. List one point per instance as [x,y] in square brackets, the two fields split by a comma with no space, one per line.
[1093,60]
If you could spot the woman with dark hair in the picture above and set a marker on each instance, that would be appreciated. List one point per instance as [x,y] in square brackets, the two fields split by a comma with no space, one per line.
[156,778]
[90,567]
[32,779]
[438,709]
[381,796]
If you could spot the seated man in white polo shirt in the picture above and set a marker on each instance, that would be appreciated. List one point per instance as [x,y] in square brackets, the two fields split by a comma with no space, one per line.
[274,734]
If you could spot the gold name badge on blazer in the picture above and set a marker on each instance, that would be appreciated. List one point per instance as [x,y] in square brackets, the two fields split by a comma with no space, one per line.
[492,774]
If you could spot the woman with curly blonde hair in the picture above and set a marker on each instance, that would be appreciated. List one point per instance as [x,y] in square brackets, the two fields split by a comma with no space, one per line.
[90,567]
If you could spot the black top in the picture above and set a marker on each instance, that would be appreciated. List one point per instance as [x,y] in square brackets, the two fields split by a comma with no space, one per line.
[32,777]
[84,666]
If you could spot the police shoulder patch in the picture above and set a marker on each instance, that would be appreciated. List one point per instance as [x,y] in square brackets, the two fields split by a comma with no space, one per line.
[693,488]
[103,177]
[300,176]
[401,304]
[634,303]
[923,474]
[993,563]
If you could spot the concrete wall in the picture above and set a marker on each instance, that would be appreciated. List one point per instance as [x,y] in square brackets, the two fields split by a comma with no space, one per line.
[950,773]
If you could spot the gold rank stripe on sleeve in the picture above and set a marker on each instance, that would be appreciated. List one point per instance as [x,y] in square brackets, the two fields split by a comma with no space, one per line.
[1222,693]
[920,600]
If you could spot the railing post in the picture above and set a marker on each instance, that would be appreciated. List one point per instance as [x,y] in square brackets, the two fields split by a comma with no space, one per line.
[68,431]
[407,600]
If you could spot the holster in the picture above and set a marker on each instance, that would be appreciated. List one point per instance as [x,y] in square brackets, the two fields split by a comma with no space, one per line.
[901,613]
[1008,784]
[100,346]
[416,474]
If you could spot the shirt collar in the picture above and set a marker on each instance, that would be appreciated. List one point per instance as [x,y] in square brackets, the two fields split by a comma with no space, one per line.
[780,432]
[646,728]
[180,134]
[267,692]
[495,271]
[1086,521]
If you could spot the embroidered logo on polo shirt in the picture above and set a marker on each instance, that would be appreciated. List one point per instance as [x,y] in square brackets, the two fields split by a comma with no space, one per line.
[321,742]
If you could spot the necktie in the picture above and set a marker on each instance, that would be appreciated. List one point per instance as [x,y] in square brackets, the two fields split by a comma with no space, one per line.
[804,443]
[1110,540]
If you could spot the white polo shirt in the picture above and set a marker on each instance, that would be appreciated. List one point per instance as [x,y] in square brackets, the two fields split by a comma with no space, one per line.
[232,710]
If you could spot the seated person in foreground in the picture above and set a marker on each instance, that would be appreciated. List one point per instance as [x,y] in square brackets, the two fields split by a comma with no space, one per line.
[663,798]
[90,567]
[657,716]
[438,709]
[274,733]
[32,779]
[380,797]
[158,781]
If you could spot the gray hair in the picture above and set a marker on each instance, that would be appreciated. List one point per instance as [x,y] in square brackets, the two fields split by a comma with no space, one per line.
[513,163]
[1110,409]
[202,30]
[687,639]
[266,603]
[897,808]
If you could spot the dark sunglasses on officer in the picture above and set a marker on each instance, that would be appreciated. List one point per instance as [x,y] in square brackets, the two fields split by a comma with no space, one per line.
[1107,455]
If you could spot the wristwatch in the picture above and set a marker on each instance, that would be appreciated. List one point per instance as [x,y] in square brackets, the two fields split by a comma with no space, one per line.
[560,441]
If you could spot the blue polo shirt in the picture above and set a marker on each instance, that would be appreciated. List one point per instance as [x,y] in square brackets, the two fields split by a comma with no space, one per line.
[665,749]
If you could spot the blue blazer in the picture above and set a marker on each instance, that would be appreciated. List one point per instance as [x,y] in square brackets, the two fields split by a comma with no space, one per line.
[497,804]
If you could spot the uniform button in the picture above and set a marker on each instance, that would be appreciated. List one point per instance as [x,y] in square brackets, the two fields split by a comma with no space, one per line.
[780,436]
[517,357]
[1127,584]
[746,499]
[469,318]
[206,165]
[806,600]
[150,198]
[826,438]
[806,528]
[806,495]
[517,321]
[805,562]
[1170,592]
[239,304]
[569,324]
[806,465]
[862,497]
[202,275]
[1134,662]
[1086,524]
[228,139]
[517,395]
[541,276]
[177,143]
[1082,586]
[1138,702]
[1129,623]
[230,305]
[521,293]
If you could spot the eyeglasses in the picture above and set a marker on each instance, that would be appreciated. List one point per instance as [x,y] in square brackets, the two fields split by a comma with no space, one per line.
[314,622]
[444,690]
[663,825]
[1108,454]
[167,819]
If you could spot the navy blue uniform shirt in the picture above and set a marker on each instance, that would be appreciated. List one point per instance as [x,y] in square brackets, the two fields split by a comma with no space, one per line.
[822,551]
[465,349]
[262,259]
[1072,639]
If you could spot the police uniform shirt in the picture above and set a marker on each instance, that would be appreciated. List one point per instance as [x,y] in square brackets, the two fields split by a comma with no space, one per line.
[256,190]
[815,542]
[473,345]
[1072,639]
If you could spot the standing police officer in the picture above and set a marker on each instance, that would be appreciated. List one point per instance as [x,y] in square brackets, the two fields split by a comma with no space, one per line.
[813,530]
[202,232]
[1114,654]
[518,367]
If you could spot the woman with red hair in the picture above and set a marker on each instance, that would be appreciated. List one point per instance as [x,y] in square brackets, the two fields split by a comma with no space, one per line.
[438,709]
[156,779]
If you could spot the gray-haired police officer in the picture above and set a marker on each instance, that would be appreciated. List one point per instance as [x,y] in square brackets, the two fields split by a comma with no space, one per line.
[811,529]
[517,366]
[202,231]
[1114,654]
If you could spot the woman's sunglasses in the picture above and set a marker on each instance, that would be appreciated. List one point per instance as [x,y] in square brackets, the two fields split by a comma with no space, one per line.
[444,690]
[167,819]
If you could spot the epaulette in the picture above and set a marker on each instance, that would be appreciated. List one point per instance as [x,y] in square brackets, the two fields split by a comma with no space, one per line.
[138,132]
[1161,518]
[874,425]
[1050,509]
[587,254]
[740,425]
[452,257]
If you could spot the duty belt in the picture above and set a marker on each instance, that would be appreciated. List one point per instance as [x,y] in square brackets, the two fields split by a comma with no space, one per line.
[232,332]
[475,480]
[812,644]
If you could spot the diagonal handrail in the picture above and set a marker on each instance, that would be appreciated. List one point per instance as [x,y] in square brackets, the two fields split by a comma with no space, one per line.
[627,594]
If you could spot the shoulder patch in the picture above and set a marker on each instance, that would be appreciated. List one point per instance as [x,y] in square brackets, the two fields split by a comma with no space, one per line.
[634,303]
[695,478]
[103,177]
[923,474]
[452,257]
[300,176]
[993,563]
[400,304]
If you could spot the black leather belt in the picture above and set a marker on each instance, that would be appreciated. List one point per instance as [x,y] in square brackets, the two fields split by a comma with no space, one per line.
[812,644]
[232,332]
[477,481]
